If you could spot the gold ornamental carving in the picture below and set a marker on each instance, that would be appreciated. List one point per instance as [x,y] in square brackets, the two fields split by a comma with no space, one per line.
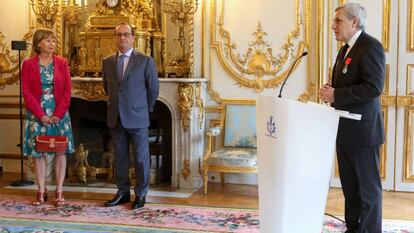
[387,100]
[182,12]
[140,10]
[81,166]
[97,40]
[408,145]
[199,104]
[403,101]
[410,24]
[9,63]
[307,96]
[259,60]
[186,169]
[386,24]
[185,103]
[89,90]
[46,11]
[214,95]
[70,15]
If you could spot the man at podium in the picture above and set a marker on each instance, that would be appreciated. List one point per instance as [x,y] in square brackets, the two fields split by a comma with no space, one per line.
[357,82]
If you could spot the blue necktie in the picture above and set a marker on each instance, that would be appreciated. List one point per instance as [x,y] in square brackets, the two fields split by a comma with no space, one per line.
[121,66]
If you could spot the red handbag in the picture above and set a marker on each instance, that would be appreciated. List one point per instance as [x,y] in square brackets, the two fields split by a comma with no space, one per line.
[56,144]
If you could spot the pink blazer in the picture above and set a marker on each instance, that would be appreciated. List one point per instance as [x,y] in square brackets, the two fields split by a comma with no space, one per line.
[32,87]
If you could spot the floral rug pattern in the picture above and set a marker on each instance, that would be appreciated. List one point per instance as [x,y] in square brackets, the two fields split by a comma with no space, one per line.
[86,216]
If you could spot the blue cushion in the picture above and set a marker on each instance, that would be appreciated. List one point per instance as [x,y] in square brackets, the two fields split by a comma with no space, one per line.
[234,157]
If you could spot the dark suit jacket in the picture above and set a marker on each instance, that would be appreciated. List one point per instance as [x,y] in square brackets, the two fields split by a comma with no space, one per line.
[358,91]
[133,97]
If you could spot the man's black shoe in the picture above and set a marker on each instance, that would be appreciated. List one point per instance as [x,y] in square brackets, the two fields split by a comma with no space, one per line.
[350,231]
[138,203]
[118,199]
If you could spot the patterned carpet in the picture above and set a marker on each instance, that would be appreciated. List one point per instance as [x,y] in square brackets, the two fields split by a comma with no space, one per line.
[18,215]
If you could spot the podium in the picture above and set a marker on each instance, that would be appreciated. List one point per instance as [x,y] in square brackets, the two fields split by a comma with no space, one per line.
[295,147]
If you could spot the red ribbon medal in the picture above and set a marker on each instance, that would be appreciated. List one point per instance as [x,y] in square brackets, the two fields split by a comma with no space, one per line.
[347,62]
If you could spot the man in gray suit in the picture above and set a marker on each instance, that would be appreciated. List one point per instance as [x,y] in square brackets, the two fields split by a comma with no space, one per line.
[131,84]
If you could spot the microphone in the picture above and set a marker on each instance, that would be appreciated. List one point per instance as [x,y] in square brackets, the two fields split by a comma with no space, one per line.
[290,71]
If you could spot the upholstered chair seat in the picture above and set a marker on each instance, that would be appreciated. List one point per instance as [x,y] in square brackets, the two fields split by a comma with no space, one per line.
[234,158]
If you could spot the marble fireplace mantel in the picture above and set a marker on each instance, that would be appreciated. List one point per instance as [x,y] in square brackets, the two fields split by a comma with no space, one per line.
[185,98]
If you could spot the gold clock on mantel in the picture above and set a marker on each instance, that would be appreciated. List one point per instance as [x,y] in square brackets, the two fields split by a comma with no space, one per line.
[97,40]
[112,3]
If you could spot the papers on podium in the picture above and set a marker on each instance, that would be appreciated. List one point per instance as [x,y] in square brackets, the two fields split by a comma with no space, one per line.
[343,114]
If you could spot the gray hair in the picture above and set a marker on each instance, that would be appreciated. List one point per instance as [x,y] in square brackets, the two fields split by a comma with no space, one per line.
[355,11]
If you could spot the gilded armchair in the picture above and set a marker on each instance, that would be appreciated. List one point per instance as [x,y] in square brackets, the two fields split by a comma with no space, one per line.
[237,153]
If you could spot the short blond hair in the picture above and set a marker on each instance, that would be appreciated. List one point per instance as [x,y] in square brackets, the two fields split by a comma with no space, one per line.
[38,36]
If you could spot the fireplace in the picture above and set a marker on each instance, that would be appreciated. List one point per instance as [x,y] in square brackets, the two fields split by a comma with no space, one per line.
[90,129]
[178,120]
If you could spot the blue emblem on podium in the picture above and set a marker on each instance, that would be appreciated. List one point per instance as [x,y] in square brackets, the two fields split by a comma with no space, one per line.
[271,127]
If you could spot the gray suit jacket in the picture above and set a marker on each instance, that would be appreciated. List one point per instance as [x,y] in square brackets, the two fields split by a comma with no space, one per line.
[133,97]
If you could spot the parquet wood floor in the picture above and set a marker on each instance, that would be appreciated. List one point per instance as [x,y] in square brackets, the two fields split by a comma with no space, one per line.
[396,205]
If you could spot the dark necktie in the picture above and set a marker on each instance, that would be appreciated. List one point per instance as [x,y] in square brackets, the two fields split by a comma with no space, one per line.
[341,56]
[121,66]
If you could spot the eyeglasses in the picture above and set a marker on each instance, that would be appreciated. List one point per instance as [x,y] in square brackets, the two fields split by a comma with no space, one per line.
[125,34]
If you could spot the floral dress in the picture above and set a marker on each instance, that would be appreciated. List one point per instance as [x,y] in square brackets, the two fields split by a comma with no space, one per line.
[35,127]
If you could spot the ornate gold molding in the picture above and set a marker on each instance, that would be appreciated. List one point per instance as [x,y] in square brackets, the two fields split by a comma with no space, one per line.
[191,46]
[383,149]
[89,90]
[305,97]
[214,95]
[199,104]
[306,11]
[9,64]
[46,11]
[259,60]
[403,101]
[320,50]
[141,10]
[214,109]
[408,141]
[409,79]
[387,80]
[386,11]
[387,100]
[410,26]
[185,103]
[186,169]
[203,38]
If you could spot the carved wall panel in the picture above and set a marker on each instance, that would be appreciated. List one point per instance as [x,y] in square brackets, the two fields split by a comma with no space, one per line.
[255,55]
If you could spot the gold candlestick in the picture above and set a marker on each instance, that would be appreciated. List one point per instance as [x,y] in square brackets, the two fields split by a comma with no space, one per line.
[46,11]
[181,12]
[71,13]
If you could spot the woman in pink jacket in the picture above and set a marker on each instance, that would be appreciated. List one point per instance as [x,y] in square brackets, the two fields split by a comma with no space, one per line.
[46,86]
